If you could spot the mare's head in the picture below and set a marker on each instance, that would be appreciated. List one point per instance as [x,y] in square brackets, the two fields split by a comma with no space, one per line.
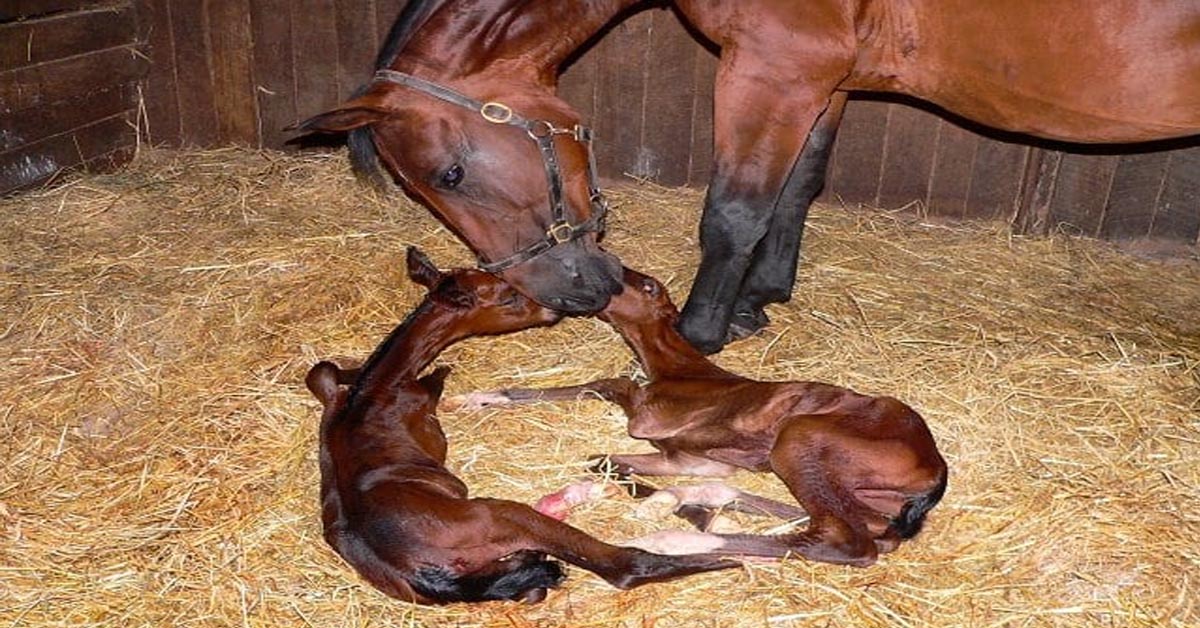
[482,303]
[492,173]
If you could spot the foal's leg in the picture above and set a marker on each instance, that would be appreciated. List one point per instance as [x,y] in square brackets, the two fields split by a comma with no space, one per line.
[766,105]
[521,527]
[773,268]
[619,390]
[711,498]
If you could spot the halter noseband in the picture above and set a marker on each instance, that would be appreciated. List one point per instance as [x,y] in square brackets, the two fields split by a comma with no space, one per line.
[560,230]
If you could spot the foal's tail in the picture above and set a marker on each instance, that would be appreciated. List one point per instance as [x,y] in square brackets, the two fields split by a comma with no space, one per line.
[912,516]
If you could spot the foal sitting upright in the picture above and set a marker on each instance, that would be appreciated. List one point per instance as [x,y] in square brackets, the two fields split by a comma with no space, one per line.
[865,469]
[389,505]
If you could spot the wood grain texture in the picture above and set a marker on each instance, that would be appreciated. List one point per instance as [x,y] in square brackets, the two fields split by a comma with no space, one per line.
[1137,186]
[1081,194]
[159,93]
[952,170]
[908,150]
[857,159]
[1177,216]
[667,131]
[38,40]
[229,25]
[53,81]
[17,9]
[193,73]
[105,143]
[274,84]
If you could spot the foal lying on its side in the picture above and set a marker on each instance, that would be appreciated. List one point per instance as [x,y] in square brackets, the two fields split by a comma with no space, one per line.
[389,505]
[865,469]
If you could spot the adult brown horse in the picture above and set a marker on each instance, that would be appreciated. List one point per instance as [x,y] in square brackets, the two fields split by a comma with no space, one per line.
[1073,70]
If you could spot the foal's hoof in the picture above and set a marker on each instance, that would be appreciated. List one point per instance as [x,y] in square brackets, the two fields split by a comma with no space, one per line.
[658,506]
[742,325]
[471,402]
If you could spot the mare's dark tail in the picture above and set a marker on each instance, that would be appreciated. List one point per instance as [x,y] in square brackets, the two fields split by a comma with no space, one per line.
[912,516]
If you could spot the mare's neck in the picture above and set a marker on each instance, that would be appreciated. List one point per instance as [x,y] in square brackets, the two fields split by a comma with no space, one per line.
[411,346]
[664,353]
[463,37]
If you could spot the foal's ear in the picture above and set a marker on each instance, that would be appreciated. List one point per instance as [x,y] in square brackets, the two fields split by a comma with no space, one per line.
[435,382]
[421,270]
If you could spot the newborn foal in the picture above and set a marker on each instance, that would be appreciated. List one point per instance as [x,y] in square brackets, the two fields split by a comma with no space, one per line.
[865,469]
[389,505]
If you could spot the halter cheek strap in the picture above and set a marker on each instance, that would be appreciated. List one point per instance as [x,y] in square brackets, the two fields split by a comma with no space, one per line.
[542,132]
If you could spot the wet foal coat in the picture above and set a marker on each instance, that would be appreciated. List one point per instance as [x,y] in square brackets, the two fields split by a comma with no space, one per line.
[865,469]
[393,510]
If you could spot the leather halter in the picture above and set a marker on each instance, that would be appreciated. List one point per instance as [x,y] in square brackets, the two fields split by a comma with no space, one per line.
[560,230]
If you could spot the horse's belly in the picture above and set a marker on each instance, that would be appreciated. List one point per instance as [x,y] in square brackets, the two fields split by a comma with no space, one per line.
[1071,70]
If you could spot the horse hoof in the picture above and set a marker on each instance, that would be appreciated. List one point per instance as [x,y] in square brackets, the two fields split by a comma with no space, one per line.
[656,507]
[471,402]
[722,524]
[746,324]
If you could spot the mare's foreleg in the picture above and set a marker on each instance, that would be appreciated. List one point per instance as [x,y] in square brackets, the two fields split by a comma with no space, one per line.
[772,270]
[765,107]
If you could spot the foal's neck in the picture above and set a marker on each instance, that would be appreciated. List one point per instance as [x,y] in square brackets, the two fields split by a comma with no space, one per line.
[664,353]
[411,346]
[466,36]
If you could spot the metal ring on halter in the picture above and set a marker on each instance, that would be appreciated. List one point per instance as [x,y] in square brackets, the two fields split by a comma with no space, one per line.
[538,129]
[496,112]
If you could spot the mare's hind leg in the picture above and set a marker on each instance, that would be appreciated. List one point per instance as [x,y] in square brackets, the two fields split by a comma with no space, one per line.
[773,268]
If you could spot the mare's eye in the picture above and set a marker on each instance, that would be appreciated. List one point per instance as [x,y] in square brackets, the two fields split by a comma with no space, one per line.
[452,177]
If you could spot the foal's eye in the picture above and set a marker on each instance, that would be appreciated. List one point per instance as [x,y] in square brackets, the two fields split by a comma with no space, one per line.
[452,177]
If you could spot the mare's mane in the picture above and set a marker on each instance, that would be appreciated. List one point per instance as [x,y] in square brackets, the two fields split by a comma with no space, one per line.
[364,159]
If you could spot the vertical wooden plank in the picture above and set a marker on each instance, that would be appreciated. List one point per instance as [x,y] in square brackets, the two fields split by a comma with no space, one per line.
[1082,192]
[314,50]
[193,73]
[386,12]
[577,86]
[996,179]
[1178,213]
[704,73]
[356,46]
[857,159]
[907,158]
[667,132]
[620,96]
[950,175]
[159,96]
[274,72]
[1136,186]
[233,83]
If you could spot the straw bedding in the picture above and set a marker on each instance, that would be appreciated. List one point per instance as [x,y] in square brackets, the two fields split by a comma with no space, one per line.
[158,462]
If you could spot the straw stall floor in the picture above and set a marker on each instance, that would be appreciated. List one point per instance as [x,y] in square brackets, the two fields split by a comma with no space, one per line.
[158,457]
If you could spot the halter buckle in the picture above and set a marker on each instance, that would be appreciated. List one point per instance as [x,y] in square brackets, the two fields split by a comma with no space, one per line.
[496,112]
[561,232]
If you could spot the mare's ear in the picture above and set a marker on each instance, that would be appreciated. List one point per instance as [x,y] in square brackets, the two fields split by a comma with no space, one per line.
[435,382]
[421,270]
[352,114]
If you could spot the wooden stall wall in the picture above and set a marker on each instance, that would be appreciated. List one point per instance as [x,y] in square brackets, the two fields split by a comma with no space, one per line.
[238,71]
[69,74]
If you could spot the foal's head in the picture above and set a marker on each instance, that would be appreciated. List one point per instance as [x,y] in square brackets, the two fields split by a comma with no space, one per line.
[643,301]
[482,304]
